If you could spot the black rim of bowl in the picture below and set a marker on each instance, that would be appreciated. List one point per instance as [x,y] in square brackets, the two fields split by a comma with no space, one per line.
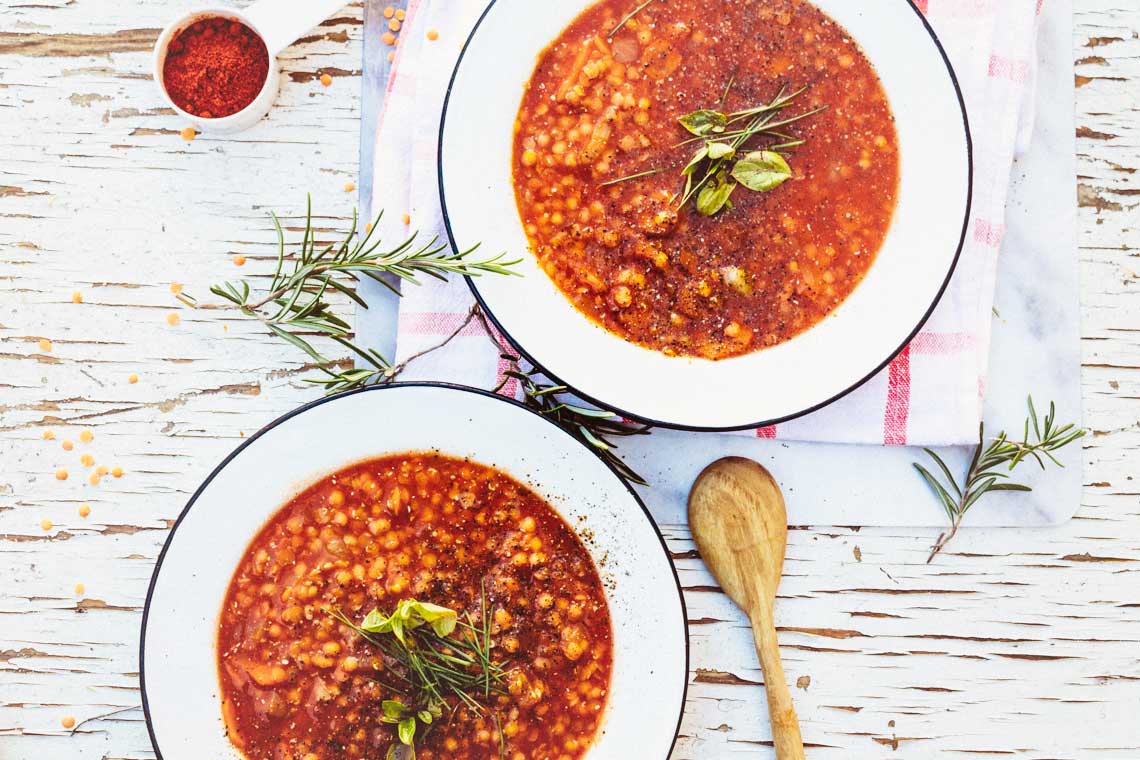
[748,425]
[379,388]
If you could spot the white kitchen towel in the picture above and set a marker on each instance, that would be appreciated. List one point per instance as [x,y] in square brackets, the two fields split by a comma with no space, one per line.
[930,394]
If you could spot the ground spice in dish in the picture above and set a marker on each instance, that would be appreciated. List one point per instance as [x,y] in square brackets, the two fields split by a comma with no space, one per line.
[215,67]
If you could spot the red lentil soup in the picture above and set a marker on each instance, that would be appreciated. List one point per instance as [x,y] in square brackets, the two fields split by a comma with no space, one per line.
[601,107]
[297,684]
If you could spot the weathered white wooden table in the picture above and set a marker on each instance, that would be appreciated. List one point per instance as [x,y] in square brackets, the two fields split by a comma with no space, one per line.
[1016,643]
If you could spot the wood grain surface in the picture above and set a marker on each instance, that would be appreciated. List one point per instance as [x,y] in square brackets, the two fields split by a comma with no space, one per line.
[1016,643]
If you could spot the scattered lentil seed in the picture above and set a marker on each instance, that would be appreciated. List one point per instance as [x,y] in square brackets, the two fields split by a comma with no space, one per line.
[61,474]
[94,479]
[101,470]
[389,38]
[45,524]
[391,56]
[389,12]
[432,35]
[67,445]
[349,187]
[188,133]
[239,260]
[326,80]
[175,288]
[132,379]
[401,14]
[49,435]
[84,510]
[77,297]
[87,460]
[173,319]
[117,471]
[45,345]
[79,590]
[407,219]
[86,436]
[68,722]
[394,25]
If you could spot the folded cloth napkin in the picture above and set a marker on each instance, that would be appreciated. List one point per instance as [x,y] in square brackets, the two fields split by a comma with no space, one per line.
[931,394]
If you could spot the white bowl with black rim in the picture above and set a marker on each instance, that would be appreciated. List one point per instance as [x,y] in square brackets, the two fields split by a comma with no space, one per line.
[820,365]
[178,651]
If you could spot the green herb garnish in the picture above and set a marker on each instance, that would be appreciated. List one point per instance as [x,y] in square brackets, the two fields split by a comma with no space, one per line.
[435,669]
[718,163]
[761,170]
[983,475]
[722,162]
[704,122]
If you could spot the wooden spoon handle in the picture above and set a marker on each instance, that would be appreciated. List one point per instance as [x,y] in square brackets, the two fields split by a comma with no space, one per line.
[781,711]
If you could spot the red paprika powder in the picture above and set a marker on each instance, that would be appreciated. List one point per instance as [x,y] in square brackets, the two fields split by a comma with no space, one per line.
[215,67]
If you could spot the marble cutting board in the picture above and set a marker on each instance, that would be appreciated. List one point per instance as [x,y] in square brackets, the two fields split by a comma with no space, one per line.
[1035,346]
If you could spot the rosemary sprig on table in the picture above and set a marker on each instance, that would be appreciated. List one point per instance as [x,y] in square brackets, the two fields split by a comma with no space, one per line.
[984,476]
[435,669]
[296,306]
[593,427]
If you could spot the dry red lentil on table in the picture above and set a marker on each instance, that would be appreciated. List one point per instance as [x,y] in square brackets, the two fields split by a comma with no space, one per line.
[599,109]
[297,685]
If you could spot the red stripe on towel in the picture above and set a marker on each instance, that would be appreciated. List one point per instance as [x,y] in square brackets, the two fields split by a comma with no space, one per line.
[941,343]
[987,233]
[898,400]
[441,323]
[510,387]
[1015,70]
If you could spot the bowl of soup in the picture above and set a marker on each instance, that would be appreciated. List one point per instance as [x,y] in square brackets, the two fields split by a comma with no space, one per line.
[373,576]
[735,212]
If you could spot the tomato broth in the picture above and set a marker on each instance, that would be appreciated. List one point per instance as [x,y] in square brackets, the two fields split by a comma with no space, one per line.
[299,684]
[603,107]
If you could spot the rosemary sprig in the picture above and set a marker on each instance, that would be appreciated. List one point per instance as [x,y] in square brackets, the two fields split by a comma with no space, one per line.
[296,305]
[439,661]
[593,427]
[638,175]
[983,476]
[626,19]
[723,161]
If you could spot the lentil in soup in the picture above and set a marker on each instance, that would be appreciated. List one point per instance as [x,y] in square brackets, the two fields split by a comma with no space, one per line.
[300,684]
[602,107]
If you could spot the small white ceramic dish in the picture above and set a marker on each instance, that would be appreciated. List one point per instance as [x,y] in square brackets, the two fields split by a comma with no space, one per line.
[788,380]
[278,22]
[178,653]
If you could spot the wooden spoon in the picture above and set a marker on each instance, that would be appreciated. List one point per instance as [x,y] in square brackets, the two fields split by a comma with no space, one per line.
[737,516]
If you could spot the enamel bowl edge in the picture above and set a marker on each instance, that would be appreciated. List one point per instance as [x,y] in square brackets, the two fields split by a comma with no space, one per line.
[178,646]
[813,369]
